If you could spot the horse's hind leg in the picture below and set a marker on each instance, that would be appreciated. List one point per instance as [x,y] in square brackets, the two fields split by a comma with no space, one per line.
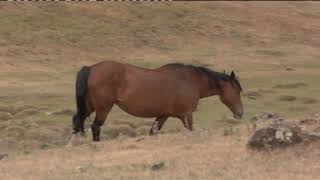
[101,116]
[78,121]
[157,125]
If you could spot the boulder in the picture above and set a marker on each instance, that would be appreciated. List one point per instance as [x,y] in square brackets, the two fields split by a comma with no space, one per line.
[280,133]
[277,134]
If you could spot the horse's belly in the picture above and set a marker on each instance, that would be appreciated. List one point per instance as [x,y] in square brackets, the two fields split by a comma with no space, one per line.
[146,94]
[141,110]
[145,104]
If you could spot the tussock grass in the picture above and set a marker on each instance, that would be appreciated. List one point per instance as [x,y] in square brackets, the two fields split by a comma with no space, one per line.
[128,122]
[5,116]
[113,131]
[143,130]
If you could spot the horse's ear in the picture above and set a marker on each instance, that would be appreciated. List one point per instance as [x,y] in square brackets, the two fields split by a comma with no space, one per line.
[233,76]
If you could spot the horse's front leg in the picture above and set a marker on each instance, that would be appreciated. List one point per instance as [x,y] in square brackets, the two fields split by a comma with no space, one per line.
[190,121]
[187,121]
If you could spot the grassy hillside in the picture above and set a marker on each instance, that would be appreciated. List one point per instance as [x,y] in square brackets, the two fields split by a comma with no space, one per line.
[258,32]
[272,46]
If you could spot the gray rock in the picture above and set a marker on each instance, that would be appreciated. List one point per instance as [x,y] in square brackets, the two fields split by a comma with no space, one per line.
[278,134]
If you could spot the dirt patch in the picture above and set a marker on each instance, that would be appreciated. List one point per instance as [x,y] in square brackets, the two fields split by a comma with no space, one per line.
[287,98]
[309,100]
[290,86]
[304,100]
[290,69]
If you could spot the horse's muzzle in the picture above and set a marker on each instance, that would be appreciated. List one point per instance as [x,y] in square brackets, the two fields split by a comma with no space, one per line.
[238,115]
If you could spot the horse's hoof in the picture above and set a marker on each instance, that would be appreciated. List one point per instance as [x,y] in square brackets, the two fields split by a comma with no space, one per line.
[96,139]
[154,129]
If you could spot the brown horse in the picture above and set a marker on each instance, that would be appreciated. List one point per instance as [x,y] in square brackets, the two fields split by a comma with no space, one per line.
[172,90]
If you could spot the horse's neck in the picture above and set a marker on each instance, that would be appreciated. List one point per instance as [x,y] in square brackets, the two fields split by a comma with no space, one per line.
[206,90]
[209,92]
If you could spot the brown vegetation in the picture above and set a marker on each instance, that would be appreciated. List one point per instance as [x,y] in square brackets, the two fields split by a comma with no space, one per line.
[202,154]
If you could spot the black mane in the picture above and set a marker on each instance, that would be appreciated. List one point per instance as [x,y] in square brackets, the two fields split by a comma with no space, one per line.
[214,76]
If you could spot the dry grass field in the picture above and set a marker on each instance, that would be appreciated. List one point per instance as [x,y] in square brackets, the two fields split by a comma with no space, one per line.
[272,46]
[204,154]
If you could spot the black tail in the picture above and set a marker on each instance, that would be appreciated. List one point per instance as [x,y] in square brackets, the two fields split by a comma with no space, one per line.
[81,95]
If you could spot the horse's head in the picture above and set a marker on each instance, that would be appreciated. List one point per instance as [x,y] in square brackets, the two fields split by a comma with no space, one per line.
[231,97]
